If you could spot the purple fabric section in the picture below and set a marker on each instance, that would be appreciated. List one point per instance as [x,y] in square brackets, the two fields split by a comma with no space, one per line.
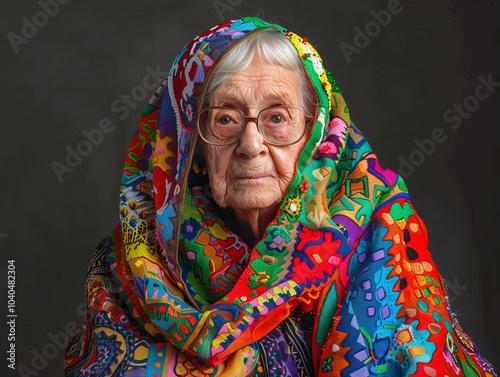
[353,230]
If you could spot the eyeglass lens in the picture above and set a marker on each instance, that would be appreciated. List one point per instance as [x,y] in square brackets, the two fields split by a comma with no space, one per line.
[278,125]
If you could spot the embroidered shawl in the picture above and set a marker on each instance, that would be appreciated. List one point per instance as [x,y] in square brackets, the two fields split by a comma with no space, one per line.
[340,284]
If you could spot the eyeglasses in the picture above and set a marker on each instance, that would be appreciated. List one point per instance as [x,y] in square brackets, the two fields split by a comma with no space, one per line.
[278,125]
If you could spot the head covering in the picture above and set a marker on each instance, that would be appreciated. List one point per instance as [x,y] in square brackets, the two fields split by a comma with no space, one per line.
[341,281]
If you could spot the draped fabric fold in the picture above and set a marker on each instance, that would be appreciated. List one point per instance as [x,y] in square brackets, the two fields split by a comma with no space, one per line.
[340,284]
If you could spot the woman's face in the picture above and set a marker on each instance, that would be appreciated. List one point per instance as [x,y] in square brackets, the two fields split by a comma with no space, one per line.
[252,174]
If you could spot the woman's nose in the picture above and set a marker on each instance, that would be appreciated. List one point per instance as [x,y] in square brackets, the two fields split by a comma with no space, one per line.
[251,143]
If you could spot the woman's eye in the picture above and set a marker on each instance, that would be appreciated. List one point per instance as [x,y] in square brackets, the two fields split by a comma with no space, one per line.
[277,118]
[225,120]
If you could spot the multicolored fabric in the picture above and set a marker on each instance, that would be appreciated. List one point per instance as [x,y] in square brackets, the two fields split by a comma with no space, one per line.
[341,283]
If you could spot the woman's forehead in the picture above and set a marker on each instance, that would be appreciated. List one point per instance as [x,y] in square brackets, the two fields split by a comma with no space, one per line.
[258,83]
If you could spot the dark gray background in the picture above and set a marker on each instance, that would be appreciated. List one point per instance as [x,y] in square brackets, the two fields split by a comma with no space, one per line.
[398,87]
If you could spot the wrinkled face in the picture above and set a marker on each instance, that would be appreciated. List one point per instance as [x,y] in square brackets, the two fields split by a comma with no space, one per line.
[251,174]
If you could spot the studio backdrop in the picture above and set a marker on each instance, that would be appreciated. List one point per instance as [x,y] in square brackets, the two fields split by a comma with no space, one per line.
[420,77]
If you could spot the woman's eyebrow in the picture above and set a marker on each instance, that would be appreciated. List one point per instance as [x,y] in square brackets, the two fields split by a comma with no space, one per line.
[276,101]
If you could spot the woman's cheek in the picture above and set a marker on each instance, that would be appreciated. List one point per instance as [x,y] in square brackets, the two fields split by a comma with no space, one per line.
[217,169]
[218,188]
[285,162]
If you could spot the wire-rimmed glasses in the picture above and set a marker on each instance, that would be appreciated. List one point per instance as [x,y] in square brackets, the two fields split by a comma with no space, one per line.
[278,125]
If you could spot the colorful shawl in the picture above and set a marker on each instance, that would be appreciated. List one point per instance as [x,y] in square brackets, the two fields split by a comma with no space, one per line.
[340,284]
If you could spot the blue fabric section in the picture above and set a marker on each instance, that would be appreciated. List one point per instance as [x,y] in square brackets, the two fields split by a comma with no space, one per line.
[153,358]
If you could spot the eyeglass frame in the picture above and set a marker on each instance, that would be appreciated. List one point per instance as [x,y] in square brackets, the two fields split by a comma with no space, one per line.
[248,118]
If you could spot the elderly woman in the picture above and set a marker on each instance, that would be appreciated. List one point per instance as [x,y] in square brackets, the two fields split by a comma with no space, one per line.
[259,235]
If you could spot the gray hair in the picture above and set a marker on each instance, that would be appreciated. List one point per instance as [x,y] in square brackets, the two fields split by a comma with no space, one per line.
[273,48]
